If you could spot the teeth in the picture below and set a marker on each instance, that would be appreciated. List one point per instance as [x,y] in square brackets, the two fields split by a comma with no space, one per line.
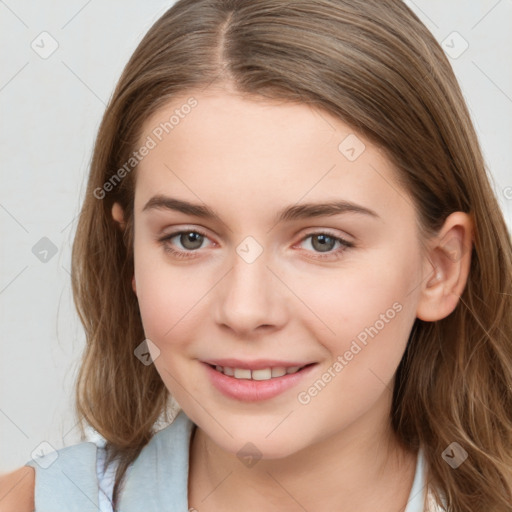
[262,374]
[278,371]
[242,373]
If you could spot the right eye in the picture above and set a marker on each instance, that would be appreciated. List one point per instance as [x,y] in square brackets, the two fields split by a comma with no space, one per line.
[190,240]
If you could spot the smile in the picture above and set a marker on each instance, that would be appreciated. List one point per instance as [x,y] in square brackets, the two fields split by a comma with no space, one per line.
[260,374]
[251,384]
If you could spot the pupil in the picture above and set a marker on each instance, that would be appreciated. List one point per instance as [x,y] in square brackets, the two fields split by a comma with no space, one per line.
[191,240]
[326,242]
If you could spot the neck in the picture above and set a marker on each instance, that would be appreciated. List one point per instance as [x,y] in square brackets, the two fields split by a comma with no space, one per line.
[359,469]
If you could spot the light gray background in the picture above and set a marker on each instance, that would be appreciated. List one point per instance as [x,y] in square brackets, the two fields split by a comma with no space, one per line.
[50,109]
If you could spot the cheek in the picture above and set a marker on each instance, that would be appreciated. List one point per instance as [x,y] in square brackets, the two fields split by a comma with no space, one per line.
[354,298]
[364,313]
[169,297]
[158,293]
[371,313]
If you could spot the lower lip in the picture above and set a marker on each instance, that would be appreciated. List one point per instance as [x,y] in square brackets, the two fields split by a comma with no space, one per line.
[249,390]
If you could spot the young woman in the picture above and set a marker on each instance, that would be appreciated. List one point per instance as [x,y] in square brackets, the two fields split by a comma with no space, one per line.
[289,234]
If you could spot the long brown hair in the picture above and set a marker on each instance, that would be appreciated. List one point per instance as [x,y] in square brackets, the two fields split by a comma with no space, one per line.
[375,66]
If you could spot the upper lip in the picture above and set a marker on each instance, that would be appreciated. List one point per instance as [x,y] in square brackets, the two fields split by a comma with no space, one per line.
[257,364]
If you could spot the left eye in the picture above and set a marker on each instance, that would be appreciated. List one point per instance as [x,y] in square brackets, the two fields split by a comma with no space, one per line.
[325,242]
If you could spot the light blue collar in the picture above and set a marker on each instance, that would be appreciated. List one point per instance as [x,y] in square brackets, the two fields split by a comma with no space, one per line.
[158,479]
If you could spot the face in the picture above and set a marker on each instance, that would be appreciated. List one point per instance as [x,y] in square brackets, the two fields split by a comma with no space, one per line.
[256,280]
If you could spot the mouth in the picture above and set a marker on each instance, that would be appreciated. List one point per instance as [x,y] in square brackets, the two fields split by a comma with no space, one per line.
[271,372]
[251,384]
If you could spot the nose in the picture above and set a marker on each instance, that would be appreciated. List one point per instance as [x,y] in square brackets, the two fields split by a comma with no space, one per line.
[250,299]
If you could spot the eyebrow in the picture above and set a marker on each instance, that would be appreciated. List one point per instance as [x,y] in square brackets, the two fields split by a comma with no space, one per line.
[289,213]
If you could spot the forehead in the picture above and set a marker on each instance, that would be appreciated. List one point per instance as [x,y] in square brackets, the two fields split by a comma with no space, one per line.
[220,119]
[223,148]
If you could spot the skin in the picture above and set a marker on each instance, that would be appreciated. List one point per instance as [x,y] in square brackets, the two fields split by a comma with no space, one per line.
[247,158]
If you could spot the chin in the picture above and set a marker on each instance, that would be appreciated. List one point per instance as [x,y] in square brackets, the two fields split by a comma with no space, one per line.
[256,444]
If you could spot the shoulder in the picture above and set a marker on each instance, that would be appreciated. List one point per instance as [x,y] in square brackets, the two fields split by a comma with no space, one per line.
[66,475]
[164,459]
[17,490]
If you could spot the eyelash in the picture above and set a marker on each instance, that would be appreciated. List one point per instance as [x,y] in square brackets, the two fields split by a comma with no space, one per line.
[335,254]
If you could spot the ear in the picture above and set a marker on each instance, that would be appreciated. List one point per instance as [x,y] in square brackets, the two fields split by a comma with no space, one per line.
[446,268]
[118,216]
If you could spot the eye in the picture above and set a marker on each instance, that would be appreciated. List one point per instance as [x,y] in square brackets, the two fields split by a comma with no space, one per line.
[323,244]
[190,240]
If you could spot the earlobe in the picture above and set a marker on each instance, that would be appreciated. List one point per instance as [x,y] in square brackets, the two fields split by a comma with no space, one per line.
[447,267]
[118,215]
[134,287]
